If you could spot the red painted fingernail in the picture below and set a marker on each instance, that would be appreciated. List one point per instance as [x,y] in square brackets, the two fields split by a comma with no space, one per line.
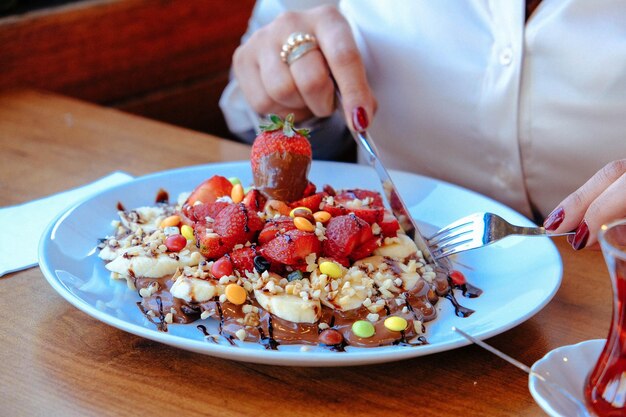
[359,119]
[554,219]
[581,236]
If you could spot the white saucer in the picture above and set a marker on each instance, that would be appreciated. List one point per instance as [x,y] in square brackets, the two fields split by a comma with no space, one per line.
[565,370]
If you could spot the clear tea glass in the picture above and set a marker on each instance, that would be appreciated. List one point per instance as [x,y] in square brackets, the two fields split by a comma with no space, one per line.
[605,388]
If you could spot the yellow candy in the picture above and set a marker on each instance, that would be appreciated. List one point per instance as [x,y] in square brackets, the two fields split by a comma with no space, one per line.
[321,216]
[187,232]
[331,269]
[237,193]
[170,221]
[303,224]
[235,294]
[395,323]
[292,213]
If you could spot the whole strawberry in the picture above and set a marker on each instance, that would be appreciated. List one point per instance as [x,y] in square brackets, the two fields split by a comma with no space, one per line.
[281,158]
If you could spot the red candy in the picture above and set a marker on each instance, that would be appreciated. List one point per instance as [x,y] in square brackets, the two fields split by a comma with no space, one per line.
[175,243]
[222,267]
[330,337]
[457,277]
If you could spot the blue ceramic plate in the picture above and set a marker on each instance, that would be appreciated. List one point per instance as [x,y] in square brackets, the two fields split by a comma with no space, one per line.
[519,275]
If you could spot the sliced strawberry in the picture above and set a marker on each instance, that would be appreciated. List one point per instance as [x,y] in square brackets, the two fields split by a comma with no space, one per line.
[389,226]
[311,202]
[370,215]
[243,259]
[343,261]
[366,248]
[334,211]
[212,245]
[198,213]
[254,200]
[375,198]
[210,190]
[272,227]
[309,190]
[292,247]
[237,222]
[344,234]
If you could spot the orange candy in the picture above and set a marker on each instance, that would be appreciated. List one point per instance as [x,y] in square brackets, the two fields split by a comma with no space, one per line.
[237,193]
[303,224]
[170,221]
[235,294]
[321,216]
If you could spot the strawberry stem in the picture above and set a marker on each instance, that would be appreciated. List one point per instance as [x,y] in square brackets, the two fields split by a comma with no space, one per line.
[276,123]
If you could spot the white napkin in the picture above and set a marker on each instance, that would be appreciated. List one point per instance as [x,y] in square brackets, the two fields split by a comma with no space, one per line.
[23,225]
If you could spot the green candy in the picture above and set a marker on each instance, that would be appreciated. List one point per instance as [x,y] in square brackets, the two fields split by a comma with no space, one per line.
[234,180]
[363,329]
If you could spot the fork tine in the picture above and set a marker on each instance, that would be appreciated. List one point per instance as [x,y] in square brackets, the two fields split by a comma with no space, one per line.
[453,243]
[458,223]
[452,249]
[444,240]
[472,218]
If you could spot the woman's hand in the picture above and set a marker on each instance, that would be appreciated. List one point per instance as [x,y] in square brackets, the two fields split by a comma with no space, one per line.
[305,87]
[599,201]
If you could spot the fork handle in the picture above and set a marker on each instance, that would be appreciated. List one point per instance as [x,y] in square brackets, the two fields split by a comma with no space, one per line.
[538,231]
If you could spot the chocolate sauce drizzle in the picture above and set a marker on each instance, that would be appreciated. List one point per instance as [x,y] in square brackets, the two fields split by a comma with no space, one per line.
[160,325]
[419,305]
[467,290]
[290,333]
[459,310]
[268,341]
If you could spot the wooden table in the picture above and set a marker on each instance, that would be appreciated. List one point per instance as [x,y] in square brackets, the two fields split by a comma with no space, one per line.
[57,361]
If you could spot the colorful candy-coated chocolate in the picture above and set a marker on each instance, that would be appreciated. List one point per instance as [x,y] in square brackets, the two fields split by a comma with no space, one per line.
[363,329]
[235,294]
[187,232]
[395,323]
[303,224]
[332,269]
[170,221]
[294,212]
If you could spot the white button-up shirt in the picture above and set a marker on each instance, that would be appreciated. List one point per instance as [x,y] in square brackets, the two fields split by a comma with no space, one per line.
[468,92]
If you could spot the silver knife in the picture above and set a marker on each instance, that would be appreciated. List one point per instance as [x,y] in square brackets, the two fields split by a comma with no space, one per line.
[398,207]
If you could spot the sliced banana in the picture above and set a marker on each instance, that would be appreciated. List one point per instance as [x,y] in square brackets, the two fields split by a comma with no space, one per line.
[195,290]
[398,248]
[381,269]
[290,307]
[107,253]
[151,266]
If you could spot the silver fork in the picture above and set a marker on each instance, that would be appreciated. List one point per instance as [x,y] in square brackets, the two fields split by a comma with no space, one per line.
[478,230]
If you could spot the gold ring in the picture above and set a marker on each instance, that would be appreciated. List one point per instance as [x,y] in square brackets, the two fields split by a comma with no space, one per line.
[298,44]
